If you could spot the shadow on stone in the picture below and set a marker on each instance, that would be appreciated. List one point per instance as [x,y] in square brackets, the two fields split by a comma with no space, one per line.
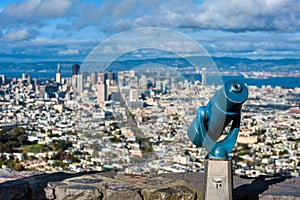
[33,187]
[86,181]
[257,187]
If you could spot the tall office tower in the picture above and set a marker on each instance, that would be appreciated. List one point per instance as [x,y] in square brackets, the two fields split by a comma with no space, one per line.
[101,94]
[102,77]
[133,82]
[85,75]
[203,76]
[94,78]
[75,69]
[28,79]
[42,91]
[75,72]
[143,82]
[58,74]
[74,81]
[87,82]
[121,79]
[133,94]
[23,76]
[79,85]
[2,79]
[165,87]
[35,84]
[102,89]
[110,77]
[112,90]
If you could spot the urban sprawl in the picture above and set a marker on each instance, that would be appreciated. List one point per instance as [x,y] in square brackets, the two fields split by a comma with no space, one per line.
[135,122]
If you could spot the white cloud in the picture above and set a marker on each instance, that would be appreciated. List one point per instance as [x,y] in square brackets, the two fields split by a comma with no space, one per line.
[115,16]
[52,8]
[32,12]
[224,27]
[68,52]
[228,15]
[21,34]
[254,15]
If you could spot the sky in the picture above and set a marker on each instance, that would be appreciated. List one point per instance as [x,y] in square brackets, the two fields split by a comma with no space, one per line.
[67,30]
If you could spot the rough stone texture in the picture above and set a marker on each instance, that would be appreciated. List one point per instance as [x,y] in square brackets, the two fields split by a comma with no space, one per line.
[157,181]
[170,193]
[33,187]
[118,190]
[111,185]
[80,192]
[50,189]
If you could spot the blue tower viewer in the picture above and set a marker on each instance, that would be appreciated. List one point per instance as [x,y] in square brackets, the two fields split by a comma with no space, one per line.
[211,120]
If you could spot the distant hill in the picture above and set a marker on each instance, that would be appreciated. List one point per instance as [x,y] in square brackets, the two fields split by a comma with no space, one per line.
[223,64]
[246,65]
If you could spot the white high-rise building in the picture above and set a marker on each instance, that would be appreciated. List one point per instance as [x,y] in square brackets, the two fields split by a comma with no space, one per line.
[101,94]
[203,74]
[79,88]
[134,94]
[143,82]
[58,74]
[2,79]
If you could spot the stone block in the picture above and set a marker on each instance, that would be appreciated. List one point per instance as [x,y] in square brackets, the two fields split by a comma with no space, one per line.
[169,193]
[78,192]
[117,191]
[49,190]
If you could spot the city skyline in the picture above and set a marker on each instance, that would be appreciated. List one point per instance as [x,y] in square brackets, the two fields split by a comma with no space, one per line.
[122,120]
[38,30]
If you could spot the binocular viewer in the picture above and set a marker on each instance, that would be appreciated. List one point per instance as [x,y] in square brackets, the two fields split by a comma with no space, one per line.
[211,120]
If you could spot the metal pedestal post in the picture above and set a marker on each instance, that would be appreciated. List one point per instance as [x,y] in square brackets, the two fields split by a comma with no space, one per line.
[218,180]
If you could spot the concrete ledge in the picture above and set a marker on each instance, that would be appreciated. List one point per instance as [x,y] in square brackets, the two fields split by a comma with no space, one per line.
[110,185]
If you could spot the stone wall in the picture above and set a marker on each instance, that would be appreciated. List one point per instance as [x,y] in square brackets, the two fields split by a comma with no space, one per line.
[114,186]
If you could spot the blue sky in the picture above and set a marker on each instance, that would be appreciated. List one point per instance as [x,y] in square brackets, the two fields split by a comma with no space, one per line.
[37,30]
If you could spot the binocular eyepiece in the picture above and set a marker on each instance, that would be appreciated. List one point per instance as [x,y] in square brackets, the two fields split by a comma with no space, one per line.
[211,120]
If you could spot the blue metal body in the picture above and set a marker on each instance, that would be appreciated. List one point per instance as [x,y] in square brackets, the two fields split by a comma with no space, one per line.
[211,120]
